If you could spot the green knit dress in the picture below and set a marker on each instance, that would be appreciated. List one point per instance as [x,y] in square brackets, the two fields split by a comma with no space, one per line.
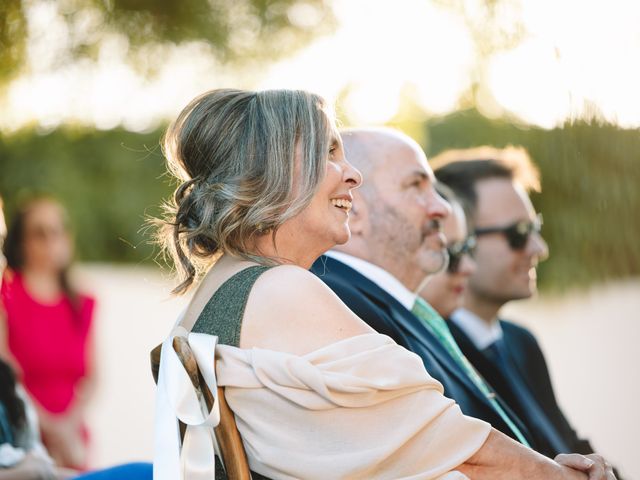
[222,316]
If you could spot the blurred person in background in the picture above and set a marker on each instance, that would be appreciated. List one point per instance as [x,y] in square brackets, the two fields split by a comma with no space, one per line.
[22,455]
[494,184]
[45,326]
[444,290]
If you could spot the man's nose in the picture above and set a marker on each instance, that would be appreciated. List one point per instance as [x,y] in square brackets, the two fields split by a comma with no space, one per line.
[538,246]
[437,206]
[467,265]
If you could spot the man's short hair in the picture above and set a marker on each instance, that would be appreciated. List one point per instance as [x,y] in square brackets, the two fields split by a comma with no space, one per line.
[462,169]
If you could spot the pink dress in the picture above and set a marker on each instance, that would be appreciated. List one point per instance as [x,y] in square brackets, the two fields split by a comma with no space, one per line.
[49,342]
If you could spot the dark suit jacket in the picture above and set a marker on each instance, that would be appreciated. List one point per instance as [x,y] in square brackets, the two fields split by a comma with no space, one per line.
[527,358]
[387,316]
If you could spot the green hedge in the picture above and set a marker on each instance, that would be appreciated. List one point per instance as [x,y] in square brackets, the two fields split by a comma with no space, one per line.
[110,180]
[590,197]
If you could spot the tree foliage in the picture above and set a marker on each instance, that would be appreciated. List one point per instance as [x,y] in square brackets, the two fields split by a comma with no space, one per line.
[234,31]
[110,181]
[13,34]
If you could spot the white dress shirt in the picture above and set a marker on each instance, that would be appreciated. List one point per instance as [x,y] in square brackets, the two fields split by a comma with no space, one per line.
[379,276]
[479,331]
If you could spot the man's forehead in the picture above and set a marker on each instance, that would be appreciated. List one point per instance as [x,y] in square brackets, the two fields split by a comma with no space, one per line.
[501,201]
[405,161]
[384,156]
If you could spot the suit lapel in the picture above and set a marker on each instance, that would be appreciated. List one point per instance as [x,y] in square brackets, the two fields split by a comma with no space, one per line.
[412,326]
[546,436]
[478,359]
[514,352]
[497,382]
[430,347]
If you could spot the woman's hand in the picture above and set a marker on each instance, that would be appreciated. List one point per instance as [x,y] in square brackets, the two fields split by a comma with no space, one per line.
[593,465]
[64,441]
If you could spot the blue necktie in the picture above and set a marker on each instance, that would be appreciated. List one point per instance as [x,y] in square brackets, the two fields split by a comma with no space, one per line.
[498,354]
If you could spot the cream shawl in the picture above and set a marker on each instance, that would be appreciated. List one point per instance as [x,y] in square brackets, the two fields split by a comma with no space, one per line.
[361,408]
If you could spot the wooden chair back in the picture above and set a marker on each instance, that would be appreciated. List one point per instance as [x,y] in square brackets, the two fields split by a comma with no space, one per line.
[227,435]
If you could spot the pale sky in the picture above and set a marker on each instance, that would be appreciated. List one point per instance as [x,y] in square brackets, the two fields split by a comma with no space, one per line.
[576,56]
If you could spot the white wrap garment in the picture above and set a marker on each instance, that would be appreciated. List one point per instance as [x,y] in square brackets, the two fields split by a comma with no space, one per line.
[361,408]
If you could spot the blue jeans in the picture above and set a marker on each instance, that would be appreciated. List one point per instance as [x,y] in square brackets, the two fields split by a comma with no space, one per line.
[128,471]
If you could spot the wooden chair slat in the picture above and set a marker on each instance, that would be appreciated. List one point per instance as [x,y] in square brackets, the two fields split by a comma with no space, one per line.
[227,435]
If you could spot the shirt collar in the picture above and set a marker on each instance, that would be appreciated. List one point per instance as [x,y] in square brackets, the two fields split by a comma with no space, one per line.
[480,332]
[377,275]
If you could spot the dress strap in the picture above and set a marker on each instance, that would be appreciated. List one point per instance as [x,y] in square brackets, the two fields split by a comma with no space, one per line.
[222,315]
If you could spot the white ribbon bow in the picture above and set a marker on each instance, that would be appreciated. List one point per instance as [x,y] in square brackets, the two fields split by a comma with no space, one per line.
[176,399]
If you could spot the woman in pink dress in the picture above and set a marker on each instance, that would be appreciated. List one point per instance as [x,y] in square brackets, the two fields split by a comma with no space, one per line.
[45,327]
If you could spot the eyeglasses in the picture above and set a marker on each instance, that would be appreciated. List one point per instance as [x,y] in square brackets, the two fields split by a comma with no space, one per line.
[45,232]
[517,234]
[457,250]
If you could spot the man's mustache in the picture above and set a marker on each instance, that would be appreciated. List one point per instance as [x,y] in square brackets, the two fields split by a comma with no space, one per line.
[433,226]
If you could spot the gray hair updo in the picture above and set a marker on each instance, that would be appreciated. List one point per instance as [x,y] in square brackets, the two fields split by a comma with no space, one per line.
[234,153]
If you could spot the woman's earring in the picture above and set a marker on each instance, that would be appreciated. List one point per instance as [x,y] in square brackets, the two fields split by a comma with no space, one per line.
[261,229]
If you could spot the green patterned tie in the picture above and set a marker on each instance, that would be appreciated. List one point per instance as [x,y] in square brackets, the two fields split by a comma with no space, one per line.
[437,325]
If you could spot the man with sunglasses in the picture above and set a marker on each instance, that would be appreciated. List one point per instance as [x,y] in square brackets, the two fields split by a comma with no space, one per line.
[494,185]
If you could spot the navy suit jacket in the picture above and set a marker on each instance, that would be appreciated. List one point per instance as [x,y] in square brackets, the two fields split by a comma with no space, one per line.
[527,359]
[389,317]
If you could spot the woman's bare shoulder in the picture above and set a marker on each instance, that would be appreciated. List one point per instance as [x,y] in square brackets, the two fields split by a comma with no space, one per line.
[291,310]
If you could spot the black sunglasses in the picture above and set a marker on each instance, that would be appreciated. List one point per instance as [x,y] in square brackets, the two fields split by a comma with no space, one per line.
[517,234]
[457,250]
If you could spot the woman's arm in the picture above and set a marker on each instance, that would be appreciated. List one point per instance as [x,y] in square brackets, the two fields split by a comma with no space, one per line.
[86,387]
[5,353]
[63,437]
[64,433]
[501,458]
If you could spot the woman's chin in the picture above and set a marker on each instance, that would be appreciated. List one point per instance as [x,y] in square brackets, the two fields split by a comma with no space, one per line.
[343,237]
[336,237]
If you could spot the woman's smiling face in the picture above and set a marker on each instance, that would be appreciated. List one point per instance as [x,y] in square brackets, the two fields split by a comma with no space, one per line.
[324,223]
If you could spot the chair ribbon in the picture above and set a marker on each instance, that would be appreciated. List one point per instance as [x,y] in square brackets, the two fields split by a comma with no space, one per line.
[177,400]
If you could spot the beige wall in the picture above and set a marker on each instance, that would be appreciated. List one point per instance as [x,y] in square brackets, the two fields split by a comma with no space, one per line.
[591,340]
[592,344]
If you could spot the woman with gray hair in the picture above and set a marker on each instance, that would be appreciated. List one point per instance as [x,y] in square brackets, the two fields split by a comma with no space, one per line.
[265,190]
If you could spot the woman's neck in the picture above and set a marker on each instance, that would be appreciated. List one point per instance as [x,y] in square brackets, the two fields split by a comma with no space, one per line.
[43,285]
[287,250]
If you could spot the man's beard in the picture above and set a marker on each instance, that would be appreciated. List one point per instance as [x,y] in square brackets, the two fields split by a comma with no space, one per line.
[403,244]
[439,254]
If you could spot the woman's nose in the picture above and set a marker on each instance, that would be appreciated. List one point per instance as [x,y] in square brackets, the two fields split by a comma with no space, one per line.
[352,175]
